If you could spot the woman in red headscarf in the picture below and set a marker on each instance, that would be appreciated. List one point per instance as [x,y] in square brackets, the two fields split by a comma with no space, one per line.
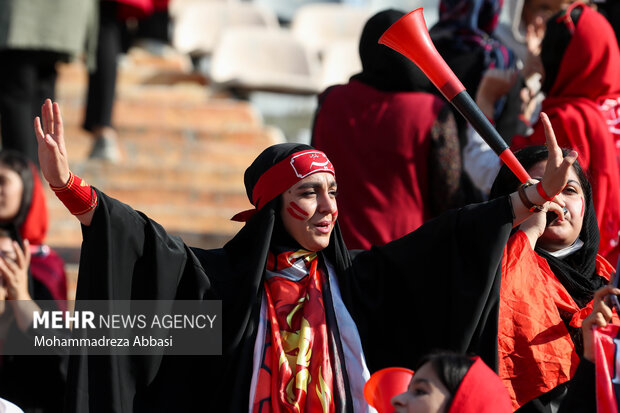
[453,383]
[28,220]
[580,57]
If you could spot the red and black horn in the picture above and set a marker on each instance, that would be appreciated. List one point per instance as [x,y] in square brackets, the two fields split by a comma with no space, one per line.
[409,36]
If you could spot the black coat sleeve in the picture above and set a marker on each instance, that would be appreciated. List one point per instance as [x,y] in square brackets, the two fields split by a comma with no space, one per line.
[124,256]
[436,288]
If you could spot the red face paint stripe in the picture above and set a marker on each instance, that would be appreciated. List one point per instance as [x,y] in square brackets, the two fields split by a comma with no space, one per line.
[583,206]
[293,214]
[298,209]
[335,216]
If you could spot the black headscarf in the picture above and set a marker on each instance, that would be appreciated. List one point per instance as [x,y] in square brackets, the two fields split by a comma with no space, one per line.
[382,67]
[554,44]
[577,271]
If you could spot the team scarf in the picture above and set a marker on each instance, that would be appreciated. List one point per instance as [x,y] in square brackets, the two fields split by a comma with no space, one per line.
[296,373]
[607,359]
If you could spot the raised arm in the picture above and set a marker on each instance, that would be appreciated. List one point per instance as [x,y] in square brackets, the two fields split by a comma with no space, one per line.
[554,179]
[53,158]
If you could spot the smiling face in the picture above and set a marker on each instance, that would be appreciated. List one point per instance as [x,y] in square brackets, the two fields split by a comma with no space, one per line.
[11,189]
[309,210]
[426,393]
[559,235]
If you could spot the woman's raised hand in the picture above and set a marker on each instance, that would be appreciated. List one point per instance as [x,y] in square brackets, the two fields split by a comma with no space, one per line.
[50,138]
[600,316]
[555,177]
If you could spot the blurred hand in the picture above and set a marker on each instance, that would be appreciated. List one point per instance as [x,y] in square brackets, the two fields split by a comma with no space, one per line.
[15,273]
[600,316]
[535,225]
[494,84]
[533,38]
[50,138]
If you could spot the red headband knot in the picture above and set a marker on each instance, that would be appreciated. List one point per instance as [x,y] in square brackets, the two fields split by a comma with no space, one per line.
[283,175]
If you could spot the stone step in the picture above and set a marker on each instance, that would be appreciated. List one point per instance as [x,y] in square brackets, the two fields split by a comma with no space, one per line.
[168,149]
[138,66]
[64,229]
[211,115]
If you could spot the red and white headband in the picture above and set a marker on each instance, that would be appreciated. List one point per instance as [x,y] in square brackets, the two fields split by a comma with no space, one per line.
[283,175]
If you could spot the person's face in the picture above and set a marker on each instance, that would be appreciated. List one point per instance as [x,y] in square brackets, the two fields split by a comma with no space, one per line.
[7,251]
[563,234]
[541,9]
[309,210]
[11,189]
[426,393]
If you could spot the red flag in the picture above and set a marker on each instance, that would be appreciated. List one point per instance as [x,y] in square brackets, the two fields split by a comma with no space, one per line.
[607,355]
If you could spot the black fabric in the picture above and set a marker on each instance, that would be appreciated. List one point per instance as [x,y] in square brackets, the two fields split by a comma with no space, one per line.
[27,78]
[581,395]
[383,68]
[102,81]
[576,272]
[554,44]
[441,281]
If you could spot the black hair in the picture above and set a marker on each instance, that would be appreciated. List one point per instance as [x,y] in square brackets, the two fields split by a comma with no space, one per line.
[554,44]
[18,163]
[450,369]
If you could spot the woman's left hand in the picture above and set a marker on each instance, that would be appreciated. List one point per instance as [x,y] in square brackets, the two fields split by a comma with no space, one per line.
[15,272]
[600,316]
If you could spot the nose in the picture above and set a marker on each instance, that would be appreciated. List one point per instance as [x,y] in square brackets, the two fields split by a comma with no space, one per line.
[327,203]
[397,401]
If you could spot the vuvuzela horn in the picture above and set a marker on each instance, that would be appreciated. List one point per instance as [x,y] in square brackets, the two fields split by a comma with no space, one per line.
[409,36]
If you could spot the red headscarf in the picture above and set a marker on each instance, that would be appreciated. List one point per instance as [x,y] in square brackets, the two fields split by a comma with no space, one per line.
[34,226]
[481,391]
[587,75]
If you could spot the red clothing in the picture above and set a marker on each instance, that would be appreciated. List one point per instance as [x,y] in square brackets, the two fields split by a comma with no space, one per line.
[606,353]
[586,79]
[536,352]
[480,391]
[139,8]
[386,197]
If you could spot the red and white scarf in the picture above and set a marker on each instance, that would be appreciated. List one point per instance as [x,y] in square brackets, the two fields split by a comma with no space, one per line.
[296,374]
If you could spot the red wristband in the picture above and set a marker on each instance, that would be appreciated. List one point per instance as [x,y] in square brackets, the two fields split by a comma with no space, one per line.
[542,192]
[76,195]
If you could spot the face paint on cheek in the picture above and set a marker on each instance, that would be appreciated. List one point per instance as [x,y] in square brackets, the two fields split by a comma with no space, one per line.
[334,216]
[583,206]
[298,209]
[294,214]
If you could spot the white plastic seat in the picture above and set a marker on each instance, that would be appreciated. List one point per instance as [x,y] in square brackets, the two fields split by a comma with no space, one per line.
[197,24]
[341,60]
[319,25]
[258,58]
